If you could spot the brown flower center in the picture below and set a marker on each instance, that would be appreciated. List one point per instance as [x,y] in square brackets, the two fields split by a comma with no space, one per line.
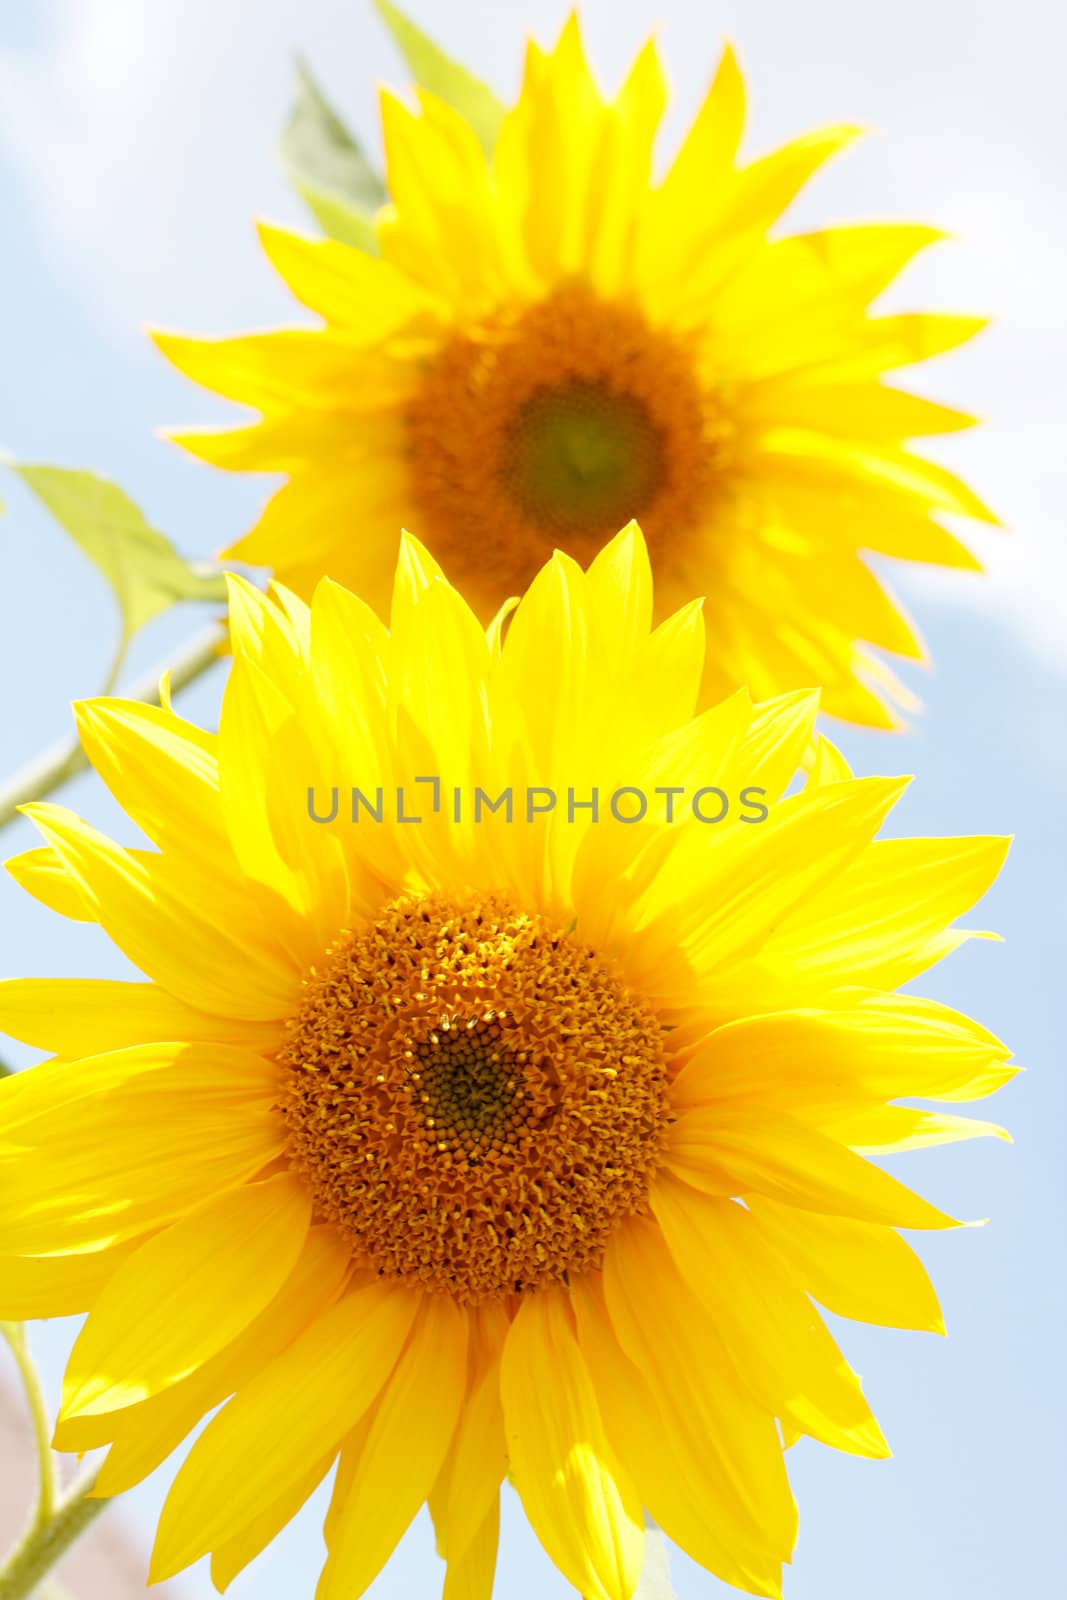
[555,425]
[474,1096]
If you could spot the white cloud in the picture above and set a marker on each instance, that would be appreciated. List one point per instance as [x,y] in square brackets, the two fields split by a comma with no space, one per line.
[140,160]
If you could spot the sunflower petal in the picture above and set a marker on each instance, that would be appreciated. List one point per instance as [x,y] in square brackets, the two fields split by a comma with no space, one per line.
[704,1414]
[145,903]
[777,1341]
[97,1151]
[322,1384]
[43,874]
[276,1512]
[824,1062]
[363,294]
[54,1286]
[397,1466]
[185,1294]
[855,1269]
[679,1475]
[89,1016]
[142,1436]
[578,1497]
[470,1576]
[736,1151]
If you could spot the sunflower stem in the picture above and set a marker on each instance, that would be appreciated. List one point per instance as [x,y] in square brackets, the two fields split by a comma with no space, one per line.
[47,1542]
[64,760]
[15,1335]
[57,1519]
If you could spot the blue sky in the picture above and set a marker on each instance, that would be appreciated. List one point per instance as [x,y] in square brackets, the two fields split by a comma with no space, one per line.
[136,145]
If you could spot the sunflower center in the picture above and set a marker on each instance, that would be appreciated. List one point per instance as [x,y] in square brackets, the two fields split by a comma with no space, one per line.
[558,422]
[474,1096]
[579,454]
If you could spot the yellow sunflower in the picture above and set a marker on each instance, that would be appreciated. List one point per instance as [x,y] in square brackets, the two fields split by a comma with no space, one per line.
[456,1135]
[551,342]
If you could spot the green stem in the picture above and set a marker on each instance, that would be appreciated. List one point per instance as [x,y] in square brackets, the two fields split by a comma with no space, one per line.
[45,1543]
[57,1520]
[42,1430]
[56,766]
[116,666]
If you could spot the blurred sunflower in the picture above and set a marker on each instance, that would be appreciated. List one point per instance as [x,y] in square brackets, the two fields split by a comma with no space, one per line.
[426,1144]
[552,342]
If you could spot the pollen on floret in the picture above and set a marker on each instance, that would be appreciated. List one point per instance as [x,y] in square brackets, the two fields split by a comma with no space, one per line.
[555,424]
[474,1096]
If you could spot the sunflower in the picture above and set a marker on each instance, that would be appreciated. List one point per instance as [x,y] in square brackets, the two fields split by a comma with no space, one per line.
[551,342]
[445,1144]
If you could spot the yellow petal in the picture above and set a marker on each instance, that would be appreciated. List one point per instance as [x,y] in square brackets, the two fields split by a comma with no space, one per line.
[402,1453]
[147,904]
[881,1130]
[823,1062]
[885,918]
[186,1294]
[829,765]
[855,1269]
[440,661]
[727,234]
[276,1512]
[906,337]
[363,294]
[704,1413]
[821,460]
[144,1435]
[546,153]
[773,748]
[54,1286]
[162,771]
[100,1150]
[441,231]
[545,661]
[711,143]
[848,516]
[469,1484]
[732,1150]
[44,875]
[796,313]
[775,1338]
[292,368]
[766,187]
[631,857]
[470,1576]
[680,1475]
[799,299]
[262,632]
[322,1384]
[711,909]
[253,718]
[576,1494]
[88,1016]
[671,664]
[622,172]
[853,410]
[619,591]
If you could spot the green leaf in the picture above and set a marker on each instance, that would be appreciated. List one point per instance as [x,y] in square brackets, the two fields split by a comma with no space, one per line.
[339,221]
[327,167]
[655,1580]
[443,77]
[143,568]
